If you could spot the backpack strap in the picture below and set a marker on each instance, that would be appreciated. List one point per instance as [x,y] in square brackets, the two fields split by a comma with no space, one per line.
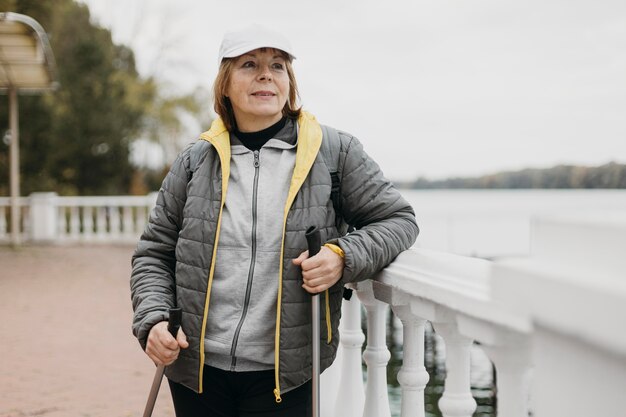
[331,150]
[198,150]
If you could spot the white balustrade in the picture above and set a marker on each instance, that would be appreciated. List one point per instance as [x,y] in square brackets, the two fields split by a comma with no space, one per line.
[47,217]
[25,227]
[453,293]
[529,315]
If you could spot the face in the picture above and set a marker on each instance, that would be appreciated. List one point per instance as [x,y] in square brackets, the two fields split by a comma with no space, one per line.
[258,88]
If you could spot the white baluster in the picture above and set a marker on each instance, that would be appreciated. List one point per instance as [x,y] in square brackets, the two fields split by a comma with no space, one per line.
[329,385]
[413,376]
[351,394]
[101,223]
[62,222]
[114,222]
[27,224]
[457,400]
[512,365]
[87,223]
[75,222]
[3,222]
[127,222]
[141,219]
[23,223]
[376,354]
[510,352]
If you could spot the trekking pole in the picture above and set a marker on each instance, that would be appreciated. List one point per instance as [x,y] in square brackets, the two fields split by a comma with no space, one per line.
[314,243]
[172,326]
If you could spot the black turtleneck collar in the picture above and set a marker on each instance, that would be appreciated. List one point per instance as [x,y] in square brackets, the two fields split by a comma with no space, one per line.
[255,140]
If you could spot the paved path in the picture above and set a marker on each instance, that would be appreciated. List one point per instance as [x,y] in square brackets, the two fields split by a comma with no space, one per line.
[66,348]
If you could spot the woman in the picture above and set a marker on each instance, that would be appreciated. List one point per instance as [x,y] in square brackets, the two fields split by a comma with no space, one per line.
[226,242]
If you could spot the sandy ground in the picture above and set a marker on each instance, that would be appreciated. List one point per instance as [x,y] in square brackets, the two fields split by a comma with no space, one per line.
[66,347]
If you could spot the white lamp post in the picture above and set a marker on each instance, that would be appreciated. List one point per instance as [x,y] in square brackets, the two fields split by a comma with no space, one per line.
[26,66]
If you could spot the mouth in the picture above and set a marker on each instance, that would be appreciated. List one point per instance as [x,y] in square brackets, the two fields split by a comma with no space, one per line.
[263,94]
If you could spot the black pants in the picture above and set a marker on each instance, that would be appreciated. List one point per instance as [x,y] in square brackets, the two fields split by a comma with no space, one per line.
[239,394]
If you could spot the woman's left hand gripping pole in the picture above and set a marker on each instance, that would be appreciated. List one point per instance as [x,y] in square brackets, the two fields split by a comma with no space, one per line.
[172,326]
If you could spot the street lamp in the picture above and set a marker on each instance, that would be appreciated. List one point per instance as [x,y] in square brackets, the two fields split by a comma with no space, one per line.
[27,67]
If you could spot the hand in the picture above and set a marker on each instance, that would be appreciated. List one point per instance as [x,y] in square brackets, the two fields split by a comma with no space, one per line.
[162,348]
[321,271]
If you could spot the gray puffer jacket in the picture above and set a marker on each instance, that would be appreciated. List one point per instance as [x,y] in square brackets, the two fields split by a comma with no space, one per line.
[173,263]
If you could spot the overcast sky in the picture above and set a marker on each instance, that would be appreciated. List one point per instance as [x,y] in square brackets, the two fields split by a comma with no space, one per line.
[432,88]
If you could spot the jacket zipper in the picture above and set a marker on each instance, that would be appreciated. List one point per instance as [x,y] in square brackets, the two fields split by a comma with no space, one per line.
[246,304]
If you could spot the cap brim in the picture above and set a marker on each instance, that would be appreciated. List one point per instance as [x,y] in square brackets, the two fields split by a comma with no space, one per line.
[233,53]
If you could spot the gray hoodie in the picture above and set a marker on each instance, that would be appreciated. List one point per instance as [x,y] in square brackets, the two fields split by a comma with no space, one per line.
[240,333]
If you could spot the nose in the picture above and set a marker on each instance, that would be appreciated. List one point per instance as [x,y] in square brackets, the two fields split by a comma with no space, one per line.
[265,74]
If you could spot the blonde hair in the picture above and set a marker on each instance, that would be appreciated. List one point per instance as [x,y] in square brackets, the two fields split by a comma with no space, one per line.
[224,108]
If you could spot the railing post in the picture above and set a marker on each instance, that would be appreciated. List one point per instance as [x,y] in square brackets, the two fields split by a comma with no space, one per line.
[510,351]
[351,394]
[143,213]
[114,222]
[87,223]
[457,400]
[101,223]
[513,375]
[376,354]
[413,376]
[43,217]
[61,222]
[75,223]
[127,222]
[3,222]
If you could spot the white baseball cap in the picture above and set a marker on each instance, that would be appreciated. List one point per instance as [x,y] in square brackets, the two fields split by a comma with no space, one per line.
[252,37]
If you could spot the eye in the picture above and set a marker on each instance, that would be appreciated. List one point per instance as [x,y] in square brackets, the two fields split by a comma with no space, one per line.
[278,66]
[248,64]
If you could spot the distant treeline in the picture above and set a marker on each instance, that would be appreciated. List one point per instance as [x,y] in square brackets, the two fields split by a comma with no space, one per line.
[611,175]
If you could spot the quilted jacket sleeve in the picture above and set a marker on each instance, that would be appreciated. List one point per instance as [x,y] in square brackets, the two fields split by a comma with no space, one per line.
[152,282]
[384,220]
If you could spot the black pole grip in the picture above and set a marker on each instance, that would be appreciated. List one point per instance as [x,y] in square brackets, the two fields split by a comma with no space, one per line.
[313,240]
[176,316]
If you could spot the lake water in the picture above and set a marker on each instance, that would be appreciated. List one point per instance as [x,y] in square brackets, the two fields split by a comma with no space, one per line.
[493,223]
[489,224]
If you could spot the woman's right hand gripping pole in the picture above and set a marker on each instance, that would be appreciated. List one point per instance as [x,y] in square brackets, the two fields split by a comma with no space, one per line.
[162,348]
